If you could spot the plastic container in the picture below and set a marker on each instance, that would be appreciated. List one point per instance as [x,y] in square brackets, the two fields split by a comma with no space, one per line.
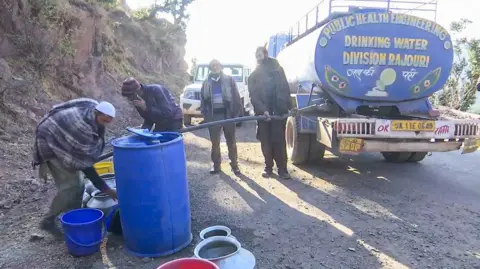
[104,168]
[189,263]
[153,195]
[83,231]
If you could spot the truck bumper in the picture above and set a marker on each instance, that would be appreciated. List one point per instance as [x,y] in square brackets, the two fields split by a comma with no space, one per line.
[355,135]
[385,146]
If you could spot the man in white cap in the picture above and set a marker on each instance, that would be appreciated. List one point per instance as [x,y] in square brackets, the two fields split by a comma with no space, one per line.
[69,140]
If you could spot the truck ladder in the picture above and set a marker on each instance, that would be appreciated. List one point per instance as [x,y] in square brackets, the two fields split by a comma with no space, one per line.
[327,10]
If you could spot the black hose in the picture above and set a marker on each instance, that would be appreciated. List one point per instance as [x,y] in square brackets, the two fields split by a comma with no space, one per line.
[214,123]
[234,120]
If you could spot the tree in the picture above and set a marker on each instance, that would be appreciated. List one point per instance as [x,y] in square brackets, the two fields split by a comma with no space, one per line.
[193,66]
[461,88]
[177,8]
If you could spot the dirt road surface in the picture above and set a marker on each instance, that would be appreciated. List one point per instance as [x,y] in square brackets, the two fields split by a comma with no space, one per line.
[339,213]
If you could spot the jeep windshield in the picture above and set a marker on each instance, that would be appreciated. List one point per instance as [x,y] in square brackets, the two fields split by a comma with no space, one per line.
[236,71]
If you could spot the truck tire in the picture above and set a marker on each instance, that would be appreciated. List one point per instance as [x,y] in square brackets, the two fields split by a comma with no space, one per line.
[397,157]
[301,148]
[187,120]
[417,157]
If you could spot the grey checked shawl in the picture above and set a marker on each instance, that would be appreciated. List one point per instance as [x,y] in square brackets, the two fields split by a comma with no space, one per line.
[69,133]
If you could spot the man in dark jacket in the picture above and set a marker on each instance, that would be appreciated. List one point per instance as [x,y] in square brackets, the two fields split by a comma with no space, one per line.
[220,100]
[155,104]
[270,95]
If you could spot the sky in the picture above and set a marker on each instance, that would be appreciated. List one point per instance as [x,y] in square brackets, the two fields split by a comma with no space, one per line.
[230,30]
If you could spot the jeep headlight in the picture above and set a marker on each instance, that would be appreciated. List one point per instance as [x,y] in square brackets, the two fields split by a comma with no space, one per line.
[189,94]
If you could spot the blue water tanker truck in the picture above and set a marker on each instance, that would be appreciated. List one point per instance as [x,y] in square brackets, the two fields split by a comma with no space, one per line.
[362,77]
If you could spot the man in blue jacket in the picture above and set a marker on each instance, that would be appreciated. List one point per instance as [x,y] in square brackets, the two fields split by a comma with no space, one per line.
[220,100]
[155,104]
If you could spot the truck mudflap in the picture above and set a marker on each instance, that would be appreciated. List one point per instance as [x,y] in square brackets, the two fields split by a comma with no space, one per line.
[355,135]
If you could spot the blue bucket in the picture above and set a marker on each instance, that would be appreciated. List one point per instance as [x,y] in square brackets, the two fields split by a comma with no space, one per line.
[82,229]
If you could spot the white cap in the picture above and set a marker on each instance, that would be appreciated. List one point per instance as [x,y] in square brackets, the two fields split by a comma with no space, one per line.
[106,108]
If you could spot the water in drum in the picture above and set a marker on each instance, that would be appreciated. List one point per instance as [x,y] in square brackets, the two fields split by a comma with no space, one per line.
[217,250]
[215,233]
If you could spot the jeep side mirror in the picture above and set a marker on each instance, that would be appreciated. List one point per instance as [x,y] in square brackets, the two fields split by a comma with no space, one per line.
[191,78]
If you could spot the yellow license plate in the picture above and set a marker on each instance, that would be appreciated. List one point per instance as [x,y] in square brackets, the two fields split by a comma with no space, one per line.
[471,145]
[351,145]
[413,125]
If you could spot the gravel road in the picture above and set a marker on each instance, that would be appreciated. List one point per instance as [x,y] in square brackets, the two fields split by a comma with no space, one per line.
[339,213]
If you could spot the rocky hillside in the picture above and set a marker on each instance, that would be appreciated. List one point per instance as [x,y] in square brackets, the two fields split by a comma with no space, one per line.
[55,50]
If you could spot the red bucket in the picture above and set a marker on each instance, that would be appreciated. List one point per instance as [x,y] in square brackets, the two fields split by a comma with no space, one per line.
[189,263]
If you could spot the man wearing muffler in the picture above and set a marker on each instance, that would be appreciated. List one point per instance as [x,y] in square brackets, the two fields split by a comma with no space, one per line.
[69,140]
[270,95]
[221,100]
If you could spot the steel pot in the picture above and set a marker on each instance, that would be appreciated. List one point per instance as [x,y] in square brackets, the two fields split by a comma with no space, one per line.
[101,201]
[109,180]
[85,199]
[217,230]
[226,252]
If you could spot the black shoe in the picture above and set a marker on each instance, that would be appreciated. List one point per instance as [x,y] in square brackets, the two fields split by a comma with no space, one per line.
[48,225]
[267,174]
[284,175]
[215,170]
[236,171]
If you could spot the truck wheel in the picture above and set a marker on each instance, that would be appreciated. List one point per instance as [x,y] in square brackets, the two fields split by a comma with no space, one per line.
[417,157]
[396,157]
[187,120]
[301,148]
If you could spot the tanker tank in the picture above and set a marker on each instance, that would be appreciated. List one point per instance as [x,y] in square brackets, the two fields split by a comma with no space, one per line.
[372,59]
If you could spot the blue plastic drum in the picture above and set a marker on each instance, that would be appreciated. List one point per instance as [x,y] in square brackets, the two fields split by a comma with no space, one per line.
[153,194]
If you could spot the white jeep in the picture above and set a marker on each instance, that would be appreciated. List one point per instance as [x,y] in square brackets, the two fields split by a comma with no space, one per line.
[190,99]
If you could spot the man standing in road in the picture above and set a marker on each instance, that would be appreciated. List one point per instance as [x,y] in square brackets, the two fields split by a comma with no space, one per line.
[69,140]
[155,104]
[220,100]
[270,95]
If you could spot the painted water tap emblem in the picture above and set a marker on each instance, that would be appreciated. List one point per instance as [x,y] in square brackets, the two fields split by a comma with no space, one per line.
[427,82]
[387,78]
[335,80]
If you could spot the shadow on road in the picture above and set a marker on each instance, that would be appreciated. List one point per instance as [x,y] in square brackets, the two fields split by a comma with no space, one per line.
[299,237]
[391,207]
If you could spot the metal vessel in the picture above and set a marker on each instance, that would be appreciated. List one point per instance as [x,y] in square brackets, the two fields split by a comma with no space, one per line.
[226,252]
[109,180]
[217,230]
[101,201]
[85,199]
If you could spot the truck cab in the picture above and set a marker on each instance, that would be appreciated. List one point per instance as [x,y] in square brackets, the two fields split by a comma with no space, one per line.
[190,98]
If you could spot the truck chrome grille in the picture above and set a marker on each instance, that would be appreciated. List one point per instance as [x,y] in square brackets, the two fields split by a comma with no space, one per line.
[466,129]
[361,127]
[366,128]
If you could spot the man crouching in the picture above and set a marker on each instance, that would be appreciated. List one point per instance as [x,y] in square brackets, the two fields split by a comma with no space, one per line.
[69,140]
